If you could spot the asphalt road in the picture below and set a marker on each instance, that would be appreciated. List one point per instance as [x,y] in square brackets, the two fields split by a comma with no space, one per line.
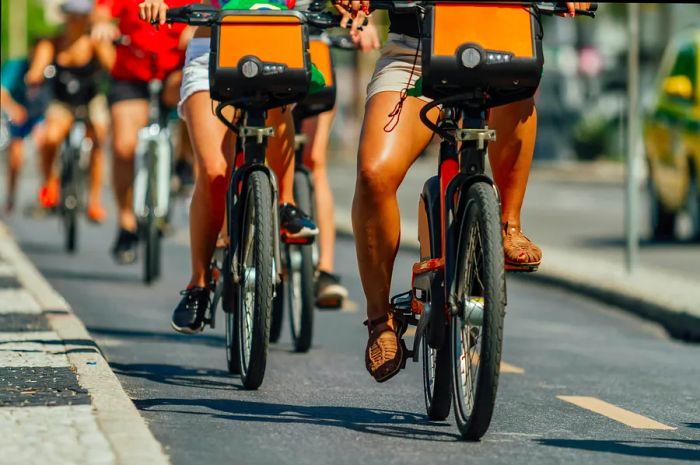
[322,407]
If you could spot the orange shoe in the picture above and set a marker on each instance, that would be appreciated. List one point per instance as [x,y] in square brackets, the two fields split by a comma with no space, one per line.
[96,213]
[49,194]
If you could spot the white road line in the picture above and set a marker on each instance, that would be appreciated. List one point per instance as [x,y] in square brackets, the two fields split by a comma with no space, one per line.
[6,270]
[614,412]
[43,435]
[18,301]
[32,349]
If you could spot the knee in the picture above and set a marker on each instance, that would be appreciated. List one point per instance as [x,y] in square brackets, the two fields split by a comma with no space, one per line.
[374,179]
[212,174]
[124,148]
[53,137]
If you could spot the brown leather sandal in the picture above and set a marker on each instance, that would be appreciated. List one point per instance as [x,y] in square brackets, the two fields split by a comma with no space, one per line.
[385,353]
[521,254]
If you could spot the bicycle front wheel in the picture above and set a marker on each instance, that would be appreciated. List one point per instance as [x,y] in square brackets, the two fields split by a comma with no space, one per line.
[70,198]
[477,329]
[151,232]
[255,293]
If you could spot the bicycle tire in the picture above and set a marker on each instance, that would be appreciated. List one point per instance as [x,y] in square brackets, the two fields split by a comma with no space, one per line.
[255,292]
[69,199]
[277,313]
[151,234]
[300,282]
[480,285]
[437,381]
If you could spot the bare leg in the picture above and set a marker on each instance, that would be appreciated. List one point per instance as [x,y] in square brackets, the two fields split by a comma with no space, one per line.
[383,160]
[212,150]
[315,155]
[98,133]
[128,117]
[511,154]
[14,166]
[281,152]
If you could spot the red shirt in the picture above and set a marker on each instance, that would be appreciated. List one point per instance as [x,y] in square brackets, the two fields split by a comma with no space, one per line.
[135,62]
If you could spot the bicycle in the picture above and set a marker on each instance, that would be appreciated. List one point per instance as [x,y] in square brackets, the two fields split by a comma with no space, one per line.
[252,77]
[300,262]
[74,159]
[153,162]
[458,290]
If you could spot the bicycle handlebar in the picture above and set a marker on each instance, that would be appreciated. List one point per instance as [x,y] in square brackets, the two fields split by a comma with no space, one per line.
[207,15]
[409,6]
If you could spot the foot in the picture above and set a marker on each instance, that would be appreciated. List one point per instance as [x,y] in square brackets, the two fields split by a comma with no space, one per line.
[329,292]
[296,226]
[521,254]
[384,355]
[96,213]
[125,247]
[49,194]
[188,317]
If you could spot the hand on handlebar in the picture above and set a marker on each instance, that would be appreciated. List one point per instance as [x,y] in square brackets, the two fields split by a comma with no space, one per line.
[355,10]
[366,39]
[153,11]
[573,6]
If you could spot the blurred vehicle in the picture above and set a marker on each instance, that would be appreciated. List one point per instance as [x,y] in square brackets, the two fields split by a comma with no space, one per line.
[672,138]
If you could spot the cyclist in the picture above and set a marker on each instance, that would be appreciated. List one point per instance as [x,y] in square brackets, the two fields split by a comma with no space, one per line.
[213,145]
[73,59]
[387,150]
[24,107]
[329,291]
[151,54]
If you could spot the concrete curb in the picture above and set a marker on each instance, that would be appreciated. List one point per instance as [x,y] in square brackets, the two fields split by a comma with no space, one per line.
[673,303]
[117,416]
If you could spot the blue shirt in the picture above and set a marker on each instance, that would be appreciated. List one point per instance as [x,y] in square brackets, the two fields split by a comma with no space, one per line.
[12,77]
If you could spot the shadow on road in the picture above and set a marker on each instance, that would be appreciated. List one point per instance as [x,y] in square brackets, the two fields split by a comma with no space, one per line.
[619,242]
[42,248]
[176,375]
[156,336]
[693,425]
[87,275]
[630,448]
[403,425]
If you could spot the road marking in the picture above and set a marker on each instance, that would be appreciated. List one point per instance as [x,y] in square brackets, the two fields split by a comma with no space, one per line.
[18,301]
[508,368]
[614,412]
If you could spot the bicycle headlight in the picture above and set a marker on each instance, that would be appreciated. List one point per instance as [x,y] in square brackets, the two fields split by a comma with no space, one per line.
[250,68]
[471,57]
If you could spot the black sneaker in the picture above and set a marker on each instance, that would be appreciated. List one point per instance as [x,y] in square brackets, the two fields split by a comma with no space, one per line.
[330,293]
[125,247]
[296,226]
[188,317]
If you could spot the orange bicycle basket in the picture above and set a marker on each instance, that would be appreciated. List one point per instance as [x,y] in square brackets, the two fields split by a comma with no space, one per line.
[493,49]
[259,58]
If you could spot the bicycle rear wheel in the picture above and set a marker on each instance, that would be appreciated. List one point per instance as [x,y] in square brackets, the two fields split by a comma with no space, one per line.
[255,292]
[277,313]
[477,329]
[436,381]
[301,274]
[229,303]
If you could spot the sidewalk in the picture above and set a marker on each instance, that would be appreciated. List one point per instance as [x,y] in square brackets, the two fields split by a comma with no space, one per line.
[575,214]
[60,403]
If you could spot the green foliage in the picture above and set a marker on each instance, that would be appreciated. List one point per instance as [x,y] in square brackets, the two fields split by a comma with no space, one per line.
[37,27]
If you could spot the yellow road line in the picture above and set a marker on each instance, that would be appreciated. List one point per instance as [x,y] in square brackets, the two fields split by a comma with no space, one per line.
[614,412]
[508,368]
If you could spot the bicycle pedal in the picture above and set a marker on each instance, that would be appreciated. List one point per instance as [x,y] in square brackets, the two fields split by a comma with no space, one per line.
[406,353]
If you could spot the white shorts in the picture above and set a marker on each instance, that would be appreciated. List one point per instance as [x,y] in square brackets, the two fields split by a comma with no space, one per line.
[195,73]
[393,70]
